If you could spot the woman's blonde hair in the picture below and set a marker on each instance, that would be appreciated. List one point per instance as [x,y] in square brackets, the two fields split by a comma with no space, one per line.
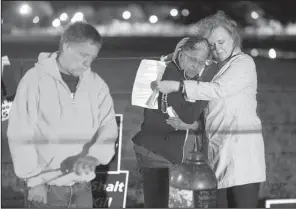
[205,26]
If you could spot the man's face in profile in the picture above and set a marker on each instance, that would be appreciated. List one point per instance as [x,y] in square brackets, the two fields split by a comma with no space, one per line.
[79,56]
[192,61]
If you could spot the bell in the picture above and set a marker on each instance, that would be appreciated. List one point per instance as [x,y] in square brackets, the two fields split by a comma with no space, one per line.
[192,183]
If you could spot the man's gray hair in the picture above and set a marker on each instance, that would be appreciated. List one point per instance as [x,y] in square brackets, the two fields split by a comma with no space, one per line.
[192,43]
[205,26]
[80,32]
[195,43]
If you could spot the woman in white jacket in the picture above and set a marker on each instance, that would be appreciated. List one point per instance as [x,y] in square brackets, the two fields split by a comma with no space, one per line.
[236,147]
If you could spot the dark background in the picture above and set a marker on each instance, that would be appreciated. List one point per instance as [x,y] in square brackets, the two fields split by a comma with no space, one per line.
[120,57]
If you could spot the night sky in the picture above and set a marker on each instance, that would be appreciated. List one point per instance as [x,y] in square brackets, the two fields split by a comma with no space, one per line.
[283,10]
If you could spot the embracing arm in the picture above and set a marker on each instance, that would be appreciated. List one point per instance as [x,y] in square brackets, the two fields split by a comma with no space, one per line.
[193,126]
[236,78]
[178,124]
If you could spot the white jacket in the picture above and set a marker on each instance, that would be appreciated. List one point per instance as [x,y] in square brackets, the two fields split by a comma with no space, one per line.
[236,147]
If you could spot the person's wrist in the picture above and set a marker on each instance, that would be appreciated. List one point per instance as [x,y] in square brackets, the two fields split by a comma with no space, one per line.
[181,86]
[37,186]
[93,159]
[183,89]
[175,86]
[194,126]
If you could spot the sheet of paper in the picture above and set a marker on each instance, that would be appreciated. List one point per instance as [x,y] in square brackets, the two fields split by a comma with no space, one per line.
[148,71]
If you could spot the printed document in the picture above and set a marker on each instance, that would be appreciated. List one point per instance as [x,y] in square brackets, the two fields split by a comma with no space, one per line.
[148,71]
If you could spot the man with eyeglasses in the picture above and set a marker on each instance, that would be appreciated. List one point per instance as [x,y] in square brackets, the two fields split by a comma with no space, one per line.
[162,140]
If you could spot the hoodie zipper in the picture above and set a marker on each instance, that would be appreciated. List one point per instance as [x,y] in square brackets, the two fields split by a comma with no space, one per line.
[69,92]
[67,87]
[77,87]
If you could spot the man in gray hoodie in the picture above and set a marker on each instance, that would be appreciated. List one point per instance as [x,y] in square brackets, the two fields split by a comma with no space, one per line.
[62,123]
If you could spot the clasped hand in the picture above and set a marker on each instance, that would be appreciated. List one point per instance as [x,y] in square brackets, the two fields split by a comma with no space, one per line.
[165,87]
[38,194]
[177,123]
[81,165]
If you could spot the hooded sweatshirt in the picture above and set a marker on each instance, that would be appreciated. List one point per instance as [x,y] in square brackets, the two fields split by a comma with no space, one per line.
[47,124]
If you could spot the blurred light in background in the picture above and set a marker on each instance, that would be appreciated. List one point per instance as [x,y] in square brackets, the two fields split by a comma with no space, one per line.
[254,52]
[64,16]
[36,20]
[56,23]
[272,53]
[78,16]
[25,9]
[126,15]
[185,12]
[153,19]
[174,12]
[254,15]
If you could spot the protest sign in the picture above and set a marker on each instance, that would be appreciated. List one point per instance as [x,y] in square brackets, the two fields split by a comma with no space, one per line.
[110,185]
[110,189]
[6,105]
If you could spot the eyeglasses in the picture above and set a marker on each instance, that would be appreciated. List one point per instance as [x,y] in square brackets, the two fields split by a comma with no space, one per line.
[196,62]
